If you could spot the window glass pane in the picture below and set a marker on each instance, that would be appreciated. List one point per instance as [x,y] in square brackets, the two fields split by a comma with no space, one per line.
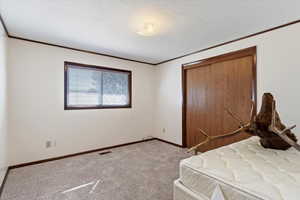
[84,87]
[115,88]
[96,87]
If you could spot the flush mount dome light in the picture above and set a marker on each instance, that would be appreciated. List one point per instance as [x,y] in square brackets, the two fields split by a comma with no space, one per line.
[148,29]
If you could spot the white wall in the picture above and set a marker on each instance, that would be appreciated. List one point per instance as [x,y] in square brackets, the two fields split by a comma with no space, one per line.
[3,104]
[36,93]
[278,71]
[36,105]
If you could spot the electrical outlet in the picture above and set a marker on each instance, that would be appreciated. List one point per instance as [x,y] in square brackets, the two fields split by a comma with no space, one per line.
[48,144]
[164,130]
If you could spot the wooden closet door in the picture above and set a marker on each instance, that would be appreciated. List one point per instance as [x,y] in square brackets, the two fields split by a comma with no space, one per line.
[212,88]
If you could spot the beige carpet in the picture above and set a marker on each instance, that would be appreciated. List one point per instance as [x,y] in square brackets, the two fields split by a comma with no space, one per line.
[143,171]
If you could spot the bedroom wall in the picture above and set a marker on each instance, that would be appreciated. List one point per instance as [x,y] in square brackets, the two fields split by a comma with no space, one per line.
[278,70]
[35,85]
[36,96]
[3,104]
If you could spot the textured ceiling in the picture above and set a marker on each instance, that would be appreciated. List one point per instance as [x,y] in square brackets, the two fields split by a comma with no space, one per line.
[110,26]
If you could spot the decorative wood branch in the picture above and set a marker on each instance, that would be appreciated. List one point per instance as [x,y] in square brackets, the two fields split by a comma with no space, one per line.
[266,125]
[282,133]
[210,138]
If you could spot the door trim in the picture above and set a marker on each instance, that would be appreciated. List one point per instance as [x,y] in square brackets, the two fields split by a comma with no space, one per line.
[251,51]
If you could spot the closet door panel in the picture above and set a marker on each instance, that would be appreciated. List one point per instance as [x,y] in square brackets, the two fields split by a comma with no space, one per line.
[210,90]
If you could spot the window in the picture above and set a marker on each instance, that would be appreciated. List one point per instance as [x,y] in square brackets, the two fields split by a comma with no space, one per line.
[93,87]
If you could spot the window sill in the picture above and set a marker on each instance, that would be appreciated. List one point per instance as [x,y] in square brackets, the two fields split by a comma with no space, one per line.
[97,107]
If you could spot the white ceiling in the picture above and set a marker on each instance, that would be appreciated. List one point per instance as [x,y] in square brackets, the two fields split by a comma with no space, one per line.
[110,26]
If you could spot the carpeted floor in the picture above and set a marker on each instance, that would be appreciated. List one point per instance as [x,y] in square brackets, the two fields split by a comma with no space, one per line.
[143,171]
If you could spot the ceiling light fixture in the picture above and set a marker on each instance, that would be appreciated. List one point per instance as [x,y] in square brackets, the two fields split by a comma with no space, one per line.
[148,29]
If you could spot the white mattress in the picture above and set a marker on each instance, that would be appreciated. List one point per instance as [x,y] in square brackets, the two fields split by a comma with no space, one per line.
[244,171]
[183,193]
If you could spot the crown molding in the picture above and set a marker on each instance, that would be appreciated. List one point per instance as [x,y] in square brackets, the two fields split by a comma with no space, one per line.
[159,63]
[75,49]
[66,47]
[4,26]
[231,41]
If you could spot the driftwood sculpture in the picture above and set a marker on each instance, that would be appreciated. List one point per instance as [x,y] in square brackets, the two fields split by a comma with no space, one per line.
[266,125]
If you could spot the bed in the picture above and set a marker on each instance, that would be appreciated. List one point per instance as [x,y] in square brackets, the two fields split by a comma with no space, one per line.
[241,171]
